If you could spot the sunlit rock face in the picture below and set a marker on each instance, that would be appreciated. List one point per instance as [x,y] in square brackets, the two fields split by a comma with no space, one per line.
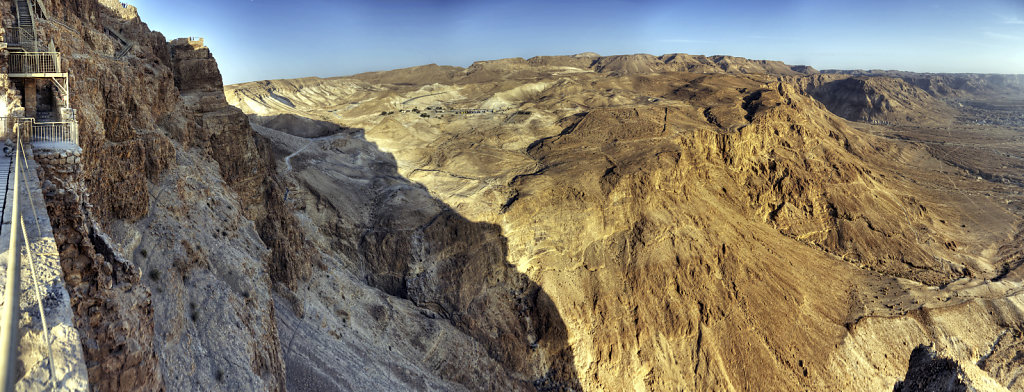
[696,222]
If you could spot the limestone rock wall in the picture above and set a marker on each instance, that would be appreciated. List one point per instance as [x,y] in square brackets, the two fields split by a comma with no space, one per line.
[10,98]
[123,10]
[63,161]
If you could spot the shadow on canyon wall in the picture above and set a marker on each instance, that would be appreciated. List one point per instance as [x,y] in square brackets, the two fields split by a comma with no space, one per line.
[408,244]
[928,371]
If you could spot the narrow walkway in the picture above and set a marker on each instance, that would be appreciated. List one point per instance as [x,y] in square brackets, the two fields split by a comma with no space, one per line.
[70,373]
[288,159]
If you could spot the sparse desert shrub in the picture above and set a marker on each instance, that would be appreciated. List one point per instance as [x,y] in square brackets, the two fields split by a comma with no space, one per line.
[154,274]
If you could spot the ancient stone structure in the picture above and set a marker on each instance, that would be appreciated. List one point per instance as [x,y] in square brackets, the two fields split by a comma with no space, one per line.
[125,11]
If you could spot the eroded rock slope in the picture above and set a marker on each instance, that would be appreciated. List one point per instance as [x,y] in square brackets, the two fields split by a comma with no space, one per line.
[695,228]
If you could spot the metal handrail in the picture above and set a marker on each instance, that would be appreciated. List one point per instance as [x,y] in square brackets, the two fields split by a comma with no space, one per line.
[59,131]
[33,62]
[64,131]
[19,36]
[9,125]
[9,318]
[12,291]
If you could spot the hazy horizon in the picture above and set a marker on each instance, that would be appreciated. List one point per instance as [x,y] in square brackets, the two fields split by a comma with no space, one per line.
[328,39]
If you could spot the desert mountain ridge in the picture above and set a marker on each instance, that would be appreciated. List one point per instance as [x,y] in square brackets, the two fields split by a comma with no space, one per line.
[617,64]
[681,62]
[611,176]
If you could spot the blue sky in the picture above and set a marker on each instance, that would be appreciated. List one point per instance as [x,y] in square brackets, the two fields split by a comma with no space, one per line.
[271,39]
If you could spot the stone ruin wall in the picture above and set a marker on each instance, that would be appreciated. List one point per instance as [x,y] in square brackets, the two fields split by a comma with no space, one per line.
[61,161]
[125,11]
[118,355]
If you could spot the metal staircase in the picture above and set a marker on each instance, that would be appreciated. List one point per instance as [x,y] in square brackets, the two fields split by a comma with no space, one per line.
[55,123]
[26,25]
[126,46]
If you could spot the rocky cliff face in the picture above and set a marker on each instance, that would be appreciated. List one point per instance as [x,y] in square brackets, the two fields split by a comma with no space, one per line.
[878,99]
[951,85]
[692,231]
[177,243]
[164,228]
[909,99]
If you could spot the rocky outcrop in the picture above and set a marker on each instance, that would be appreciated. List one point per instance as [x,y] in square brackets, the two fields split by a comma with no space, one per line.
[459,270]
[437,268]
[124,10]
[223,132]
[114,313]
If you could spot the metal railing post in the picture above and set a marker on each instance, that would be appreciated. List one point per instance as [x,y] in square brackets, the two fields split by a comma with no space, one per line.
[9,318]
